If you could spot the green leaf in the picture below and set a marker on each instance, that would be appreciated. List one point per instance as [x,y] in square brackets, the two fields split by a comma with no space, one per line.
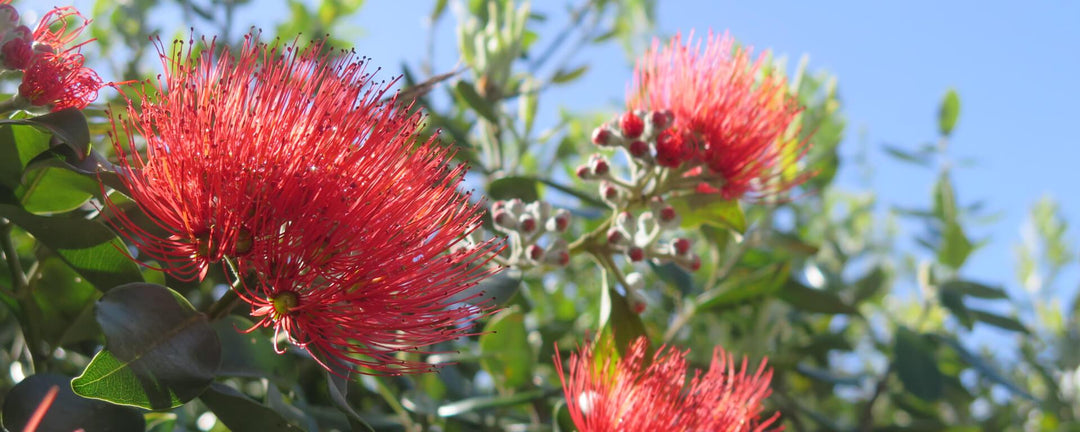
[564,76]
[251,354]
[87,246]
[54,190]
[809,299]
[675,276]
[954,302]
[486,402]
[18,146]
[94,167]
[505,188]
[711,209]
[921,159]
[242,413]
[735,291]
[67,125]
[999,321]
[984,368]
[974,289]
[955,246]
[468,93]
[159,352]
[507,355]
[66,303]
[870,285]
[916,365]
[948,112]
[497,289]
[945,199]
[619,326]
[68,412]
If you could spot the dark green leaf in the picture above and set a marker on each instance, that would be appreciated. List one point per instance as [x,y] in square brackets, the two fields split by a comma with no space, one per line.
[870,285]
[974,289]
[584,197]
[67,412]
[984,368]
[999,321]
[916,365]
[945,199]
[828,376]
[507,355]
[486,402]
[250,354]
[565,76]
[506,188]
[496,290]
[87,246]
[760,283]
[954,302]
[809,299]
[468,93]
[675,276]
[711,209]
[94,166]
[67,126]
[66,303]
[948,112]
[242,413]
[159,352]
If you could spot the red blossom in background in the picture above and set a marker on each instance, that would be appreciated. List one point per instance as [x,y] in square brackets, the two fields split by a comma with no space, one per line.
[54,72]
[291,165]
[733,116]
[635,394]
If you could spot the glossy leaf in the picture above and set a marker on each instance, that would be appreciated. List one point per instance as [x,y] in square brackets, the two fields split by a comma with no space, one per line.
[87,246]
[54,190]
[18,146]
[948,112]
[954,302]
[514,187]
[916,365]
[508,357]
[564,76]
[251,354]
[758,284]
[241,413]
[68,126]
[68,411]
[999,321]
[66,303]
[709,209]
[159,352]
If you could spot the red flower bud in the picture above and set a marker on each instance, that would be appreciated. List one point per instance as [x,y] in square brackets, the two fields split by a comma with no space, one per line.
[667,214]
[681,245]
[639,149]
[636,254]
[601,136]
[631,125]
[671,150]
[535,253]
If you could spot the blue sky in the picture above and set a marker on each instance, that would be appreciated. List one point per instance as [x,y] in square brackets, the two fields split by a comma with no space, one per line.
[1015,66]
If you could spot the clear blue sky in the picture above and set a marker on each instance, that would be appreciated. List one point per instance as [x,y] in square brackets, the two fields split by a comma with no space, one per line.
[1015,65]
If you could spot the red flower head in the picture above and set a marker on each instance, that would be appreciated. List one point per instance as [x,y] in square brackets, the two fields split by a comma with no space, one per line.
[53,72]
[635,394]
[291,165]
[732,116]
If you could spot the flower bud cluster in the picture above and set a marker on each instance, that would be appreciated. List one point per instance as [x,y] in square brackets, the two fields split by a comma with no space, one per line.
[639,238]
[526,224]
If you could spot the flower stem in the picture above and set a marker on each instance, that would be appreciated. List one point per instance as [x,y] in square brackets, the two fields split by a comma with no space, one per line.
[221,308]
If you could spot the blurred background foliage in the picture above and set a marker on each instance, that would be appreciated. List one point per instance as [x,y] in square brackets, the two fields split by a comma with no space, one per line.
[862,333]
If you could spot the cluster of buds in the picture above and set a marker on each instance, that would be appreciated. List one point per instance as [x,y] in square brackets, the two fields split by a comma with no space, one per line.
[526,224]
[651,146]
[639,238]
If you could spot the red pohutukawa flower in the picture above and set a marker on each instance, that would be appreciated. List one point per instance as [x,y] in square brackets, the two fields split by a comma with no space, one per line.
[291,165]
[54,72]
[731,117]
[635,394]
